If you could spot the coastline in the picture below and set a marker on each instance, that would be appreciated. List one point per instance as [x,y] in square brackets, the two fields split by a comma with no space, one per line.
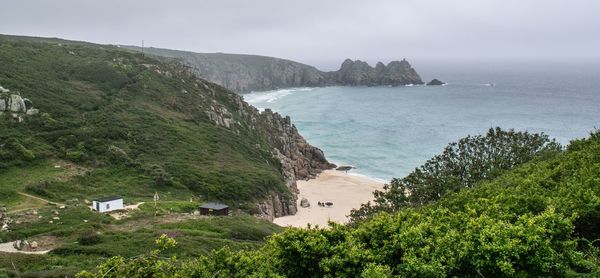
[345,191]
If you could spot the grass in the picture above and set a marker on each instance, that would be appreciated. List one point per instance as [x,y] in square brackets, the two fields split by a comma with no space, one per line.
[85,243]
[20,203]
[95,99]
[165,207]
[117,126]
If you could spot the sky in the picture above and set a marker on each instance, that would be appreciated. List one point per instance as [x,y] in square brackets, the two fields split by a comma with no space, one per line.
[324,33]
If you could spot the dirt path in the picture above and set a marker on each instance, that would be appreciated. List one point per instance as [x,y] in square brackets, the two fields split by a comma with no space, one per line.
[40,199]
[38,202]
[9,248]
[120,214]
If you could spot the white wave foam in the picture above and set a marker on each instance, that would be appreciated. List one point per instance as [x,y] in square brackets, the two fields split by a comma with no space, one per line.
[272,96]
[368,177]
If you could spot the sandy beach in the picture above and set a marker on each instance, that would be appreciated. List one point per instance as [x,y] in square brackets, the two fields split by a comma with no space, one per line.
[343,190]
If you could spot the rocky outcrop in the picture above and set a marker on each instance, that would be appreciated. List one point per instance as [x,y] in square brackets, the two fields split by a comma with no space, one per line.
[4,219]
[299,160]
[435,82]
[247,73]
[359,73]
[16,105]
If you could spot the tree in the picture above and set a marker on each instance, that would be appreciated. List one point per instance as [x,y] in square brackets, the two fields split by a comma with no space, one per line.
[462,164]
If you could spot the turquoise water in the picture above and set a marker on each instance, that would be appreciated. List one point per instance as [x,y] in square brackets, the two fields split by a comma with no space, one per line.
[386,132]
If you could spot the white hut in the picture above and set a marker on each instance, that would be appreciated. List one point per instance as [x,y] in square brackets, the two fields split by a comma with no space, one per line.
[108,203]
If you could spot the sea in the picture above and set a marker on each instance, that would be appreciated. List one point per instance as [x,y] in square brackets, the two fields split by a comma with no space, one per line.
[386,132]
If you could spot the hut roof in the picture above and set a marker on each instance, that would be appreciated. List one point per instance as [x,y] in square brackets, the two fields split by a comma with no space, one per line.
[213,205]
[108,198]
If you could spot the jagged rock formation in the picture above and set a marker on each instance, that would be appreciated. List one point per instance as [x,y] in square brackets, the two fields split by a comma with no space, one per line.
[15,104]
[435,82]
[299,160]
[247,73]
[359,73]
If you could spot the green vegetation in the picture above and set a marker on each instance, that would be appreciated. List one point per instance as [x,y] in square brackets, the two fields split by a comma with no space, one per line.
[114,122]
[137,125]
[85,239]
[539,219]
[463,164]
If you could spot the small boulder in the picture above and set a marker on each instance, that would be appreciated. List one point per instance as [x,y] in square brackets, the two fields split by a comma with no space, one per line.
[17,244]
[33,245]
[435,82]
[304,203]
[32,112]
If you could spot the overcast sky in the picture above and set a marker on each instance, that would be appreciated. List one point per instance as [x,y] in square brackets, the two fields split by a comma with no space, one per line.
[323,33]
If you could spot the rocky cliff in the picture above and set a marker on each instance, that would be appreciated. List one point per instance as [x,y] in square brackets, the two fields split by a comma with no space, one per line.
[359,73]
[246,73]
[299,160]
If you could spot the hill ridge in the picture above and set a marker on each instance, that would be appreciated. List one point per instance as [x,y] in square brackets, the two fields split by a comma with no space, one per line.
[244,73]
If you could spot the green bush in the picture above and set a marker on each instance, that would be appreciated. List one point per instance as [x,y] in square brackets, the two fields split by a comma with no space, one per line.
[463,164]
[533,220]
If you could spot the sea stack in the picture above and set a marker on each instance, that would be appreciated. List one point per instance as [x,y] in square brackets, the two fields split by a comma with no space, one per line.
[435,82]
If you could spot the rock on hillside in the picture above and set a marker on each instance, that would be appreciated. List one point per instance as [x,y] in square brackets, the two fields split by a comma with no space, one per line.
[246,73]
[299,159]
[16,105]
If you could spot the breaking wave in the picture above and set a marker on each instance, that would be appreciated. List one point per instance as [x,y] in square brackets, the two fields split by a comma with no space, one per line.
[272,96]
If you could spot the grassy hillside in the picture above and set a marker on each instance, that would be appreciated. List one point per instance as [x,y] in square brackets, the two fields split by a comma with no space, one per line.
[132,125]
[540,219]
[113,122]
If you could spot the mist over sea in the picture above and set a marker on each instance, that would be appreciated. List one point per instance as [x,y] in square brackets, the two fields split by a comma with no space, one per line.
[386,132]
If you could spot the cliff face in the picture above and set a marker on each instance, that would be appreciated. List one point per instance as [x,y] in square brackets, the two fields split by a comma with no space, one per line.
[359,73]
[299,160]
[246,73]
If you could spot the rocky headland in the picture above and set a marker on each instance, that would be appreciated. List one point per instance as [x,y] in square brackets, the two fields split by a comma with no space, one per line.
[299,160]
[246,73]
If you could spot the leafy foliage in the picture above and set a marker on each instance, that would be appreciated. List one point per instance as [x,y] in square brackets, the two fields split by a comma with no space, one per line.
[105,107]
[537,219]
[463,164]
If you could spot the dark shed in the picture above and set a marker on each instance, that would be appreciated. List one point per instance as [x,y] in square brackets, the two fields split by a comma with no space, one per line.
[214,209]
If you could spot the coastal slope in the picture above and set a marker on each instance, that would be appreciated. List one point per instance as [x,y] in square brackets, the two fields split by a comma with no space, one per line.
[246,73]
[150,122]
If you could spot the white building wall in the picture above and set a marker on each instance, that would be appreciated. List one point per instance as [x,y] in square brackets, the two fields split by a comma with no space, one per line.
[108,206]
